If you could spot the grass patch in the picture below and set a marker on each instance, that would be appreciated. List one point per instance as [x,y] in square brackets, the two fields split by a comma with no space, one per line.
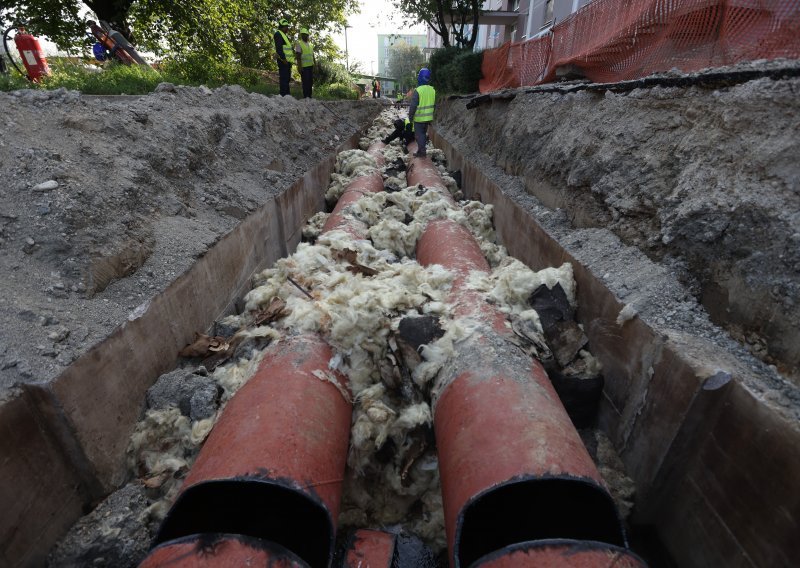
[119,79]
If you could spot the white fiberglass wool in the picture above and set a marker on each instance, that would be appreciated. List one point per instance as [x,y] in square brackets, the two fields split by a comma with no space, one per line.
[313,228]
[511,284]
[396,236]
[349,161]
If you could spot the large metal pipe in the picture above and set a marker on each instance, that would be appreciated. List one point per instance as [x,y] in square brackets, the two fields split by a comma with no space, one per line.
[512,466]
[423,171]
[272,467]
[371,183]
[221,551]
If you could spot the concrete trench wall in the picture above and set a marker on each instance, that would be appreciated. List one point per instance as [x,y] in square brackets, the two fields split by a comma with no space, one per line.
[64,442]
[715,467]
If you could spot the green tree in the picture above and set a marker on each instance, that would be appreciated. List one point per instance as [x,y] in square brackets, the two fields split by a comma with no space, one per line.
[404,62]
[59,20]
[445,17]
[225,30]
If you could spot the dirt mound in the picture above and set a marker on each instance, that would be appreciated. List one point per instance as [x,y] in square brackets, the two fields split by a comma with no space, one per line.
[703,179]
[105,200]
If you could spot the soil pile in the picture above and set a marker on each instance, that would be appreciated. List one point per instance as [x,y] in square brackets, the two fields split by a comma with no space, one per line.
[703,178]
[105,200]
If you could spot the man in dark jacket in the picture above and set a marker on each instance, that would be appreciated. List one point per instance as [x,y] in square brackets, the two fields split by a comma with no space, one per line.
[284,53]
[402,129]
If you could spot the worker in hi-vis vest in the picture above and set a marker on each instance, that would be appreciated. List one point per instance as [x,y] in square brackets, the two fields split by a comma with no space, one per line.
[285,55]
[305,57]
[420,110]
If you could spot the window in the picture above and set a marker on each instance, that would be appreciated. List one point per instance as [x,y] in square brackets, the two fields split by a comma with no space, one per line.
[548,11]
[514,7]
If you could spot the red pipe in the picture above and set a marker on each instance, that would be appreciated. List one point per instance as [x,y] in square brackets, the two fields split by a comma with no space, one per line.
[463,256]
[506,446]
[562,554]
[272,467]
[422,171]
[371,549]
[220,551]
[376,150]
[356,189]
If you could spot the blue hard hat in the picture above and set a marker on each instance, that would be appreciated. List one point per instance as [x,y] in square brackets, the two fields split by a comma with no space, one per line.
[424,76]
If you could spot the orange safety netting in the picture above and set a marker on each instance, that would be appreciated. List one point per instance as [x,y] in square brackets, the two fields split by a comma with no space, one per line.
[616,40]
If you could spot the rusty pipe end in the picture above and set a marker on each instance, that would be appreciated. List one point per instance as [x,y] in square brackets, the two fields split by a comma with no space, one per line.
[536,508]
[272,510]
[561,553]
[221,551]
[372,548]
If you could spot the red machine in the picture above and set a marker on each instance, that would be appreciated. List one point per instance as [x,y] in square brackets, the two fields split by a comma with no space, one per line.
[32,55]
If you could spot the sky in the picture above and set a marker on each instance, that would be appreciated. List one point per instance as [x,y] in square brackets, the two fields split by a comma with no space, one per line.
[376,17]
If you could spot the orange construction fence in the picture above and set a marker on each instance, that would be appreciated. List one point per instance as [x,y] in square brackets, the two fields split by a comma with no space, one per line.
[616,40]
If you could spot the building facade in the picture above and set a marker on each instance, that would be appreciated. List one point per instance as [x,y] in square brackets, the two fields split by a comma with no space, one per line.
[385,42]
[515,20]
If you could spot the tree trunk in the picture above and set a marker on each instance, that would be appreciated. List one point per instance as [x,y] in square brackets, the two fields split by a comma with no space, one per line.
[476,12]
[442,24]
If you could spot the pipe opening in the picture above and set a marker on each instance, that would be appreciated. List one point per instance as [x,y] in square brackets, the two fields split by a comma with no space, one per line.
[260,509]
[536,509]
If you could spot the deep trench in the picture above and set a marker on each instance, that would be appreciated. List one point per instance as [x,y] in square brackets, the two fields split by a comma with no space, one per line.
[196,517]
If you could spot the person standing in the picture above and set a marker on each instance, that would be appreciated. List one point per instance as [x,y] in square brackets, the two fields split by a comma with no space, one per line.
[304,54]
[378,88]
[284,55]
[420,110]
[374,88]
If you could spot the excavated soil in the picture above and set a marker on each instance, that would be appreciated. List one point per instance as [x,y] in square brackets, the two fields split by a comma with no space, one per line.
[106,200]
[701,173]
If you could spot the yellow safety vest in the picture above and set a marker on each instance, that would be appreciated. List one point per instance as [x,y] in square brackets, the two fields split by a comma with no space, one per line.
[427,100]
[288,52]
[307,55]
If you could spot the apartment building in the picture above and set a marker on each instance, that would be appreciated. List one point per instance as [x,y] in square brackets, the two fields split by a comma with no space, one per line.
[515,20]
[385,42]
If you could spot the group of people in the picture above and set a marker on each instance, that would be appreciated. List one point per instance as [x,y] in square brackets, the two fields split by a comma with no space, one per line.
[300,53]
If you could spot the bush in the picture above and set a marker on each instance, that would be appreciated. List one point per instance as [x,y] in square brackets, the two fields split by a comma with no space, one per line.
[13,81]
[327,73]
[440,59]
[200,69]
[337,91]
[465,72]
[456,70]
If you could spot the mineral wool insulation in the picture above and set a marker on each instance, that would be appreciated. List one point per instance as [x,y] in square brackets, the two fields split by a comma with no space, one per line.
[392,475]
